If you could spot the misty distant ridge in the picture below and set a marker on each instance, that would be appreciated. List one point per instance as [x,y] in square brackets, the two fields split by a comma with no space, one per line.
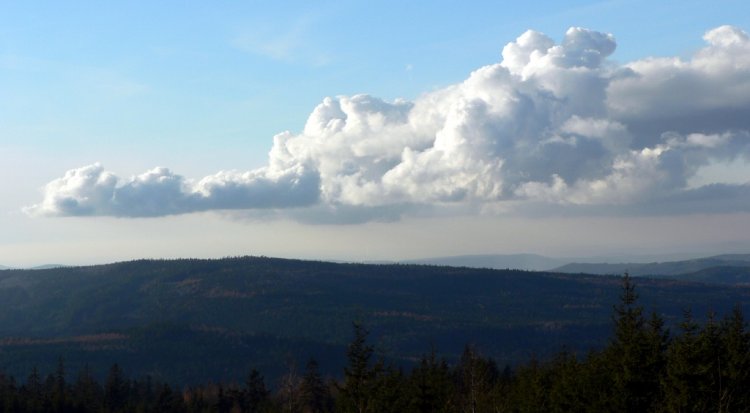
[530,262]
[665,264]
[724,269]
[38,267]
[536,262]
[727,262]
[687,266]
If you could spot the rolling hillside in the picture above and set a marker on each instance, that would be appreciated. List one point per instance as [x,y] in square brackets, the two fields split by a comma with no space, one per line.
[658,268]
[532,262]
[728,275]
[193,320]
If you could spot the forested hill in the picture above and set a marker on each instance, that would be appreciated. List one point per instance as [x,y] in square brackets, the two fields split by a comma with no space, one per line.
[531,262]
[195,320]
[670,268]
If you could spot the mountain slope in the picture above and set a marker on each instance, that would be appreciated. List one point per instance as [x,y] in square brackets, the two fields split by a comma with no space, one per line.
[718,275]
[658,268]
[532,262]
[218,318]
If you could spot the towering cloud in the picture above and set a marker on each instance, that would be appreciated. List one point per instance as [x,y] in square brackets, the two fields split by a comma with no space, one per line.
[557,125]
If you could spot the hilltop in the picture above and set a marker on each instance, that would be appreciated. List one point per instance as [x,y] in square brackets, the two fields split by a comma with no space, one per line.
[188,320]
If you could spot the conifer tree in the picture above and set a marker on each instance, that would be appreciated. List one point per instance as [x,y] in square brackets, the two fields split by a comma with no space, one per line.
[565,380]
[530,392]
[683,372]
[315,395]
[358,374]
[32,392]
[167,401]
[635,354]
[256,393]
[86,391]
[710,353]
[431,386]
[474,377]
[222,404]
[115,389]
[289,392]
[388,390]
[60,390]
[195,400]
[10,402]
[735,371]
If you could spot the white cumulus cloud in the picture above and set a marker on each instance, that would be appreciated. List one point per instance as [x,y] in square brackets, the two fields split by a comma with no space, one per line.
[91,190]
[555,124]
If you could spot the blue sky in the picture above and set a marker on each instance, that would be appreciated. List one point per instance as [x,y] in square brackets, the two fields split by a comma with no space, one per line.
[200,88]
[104,74]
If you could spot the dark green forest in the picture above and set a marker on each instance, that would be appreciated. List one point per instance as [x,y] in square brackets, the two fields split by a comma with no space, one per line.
[644,367]
[161,317]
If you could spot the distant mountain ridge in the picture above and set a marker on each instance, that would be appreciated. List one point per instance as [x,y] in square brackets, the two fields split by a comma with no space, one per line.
[537,262]
[520,261]
[190,319]
[739,276]
[38,267]
[671,268]
[47,267]
[530,262]
[726,269]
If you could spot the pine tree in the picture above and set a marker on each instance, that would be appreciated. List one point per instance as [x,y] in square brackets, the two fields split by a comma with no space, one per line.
[475,377]
[635,354]
[10,402]
[256,393]
[289,392]
[710,353]
[167,401]
[315,395]
[195,400]
[388,390]
[358,375]
[115,389]
[430,385]
[684,374]
[32,392]
[87,392]
[654,368]
[60,390]
[565,381]
[735,370]
[530,392]
[223,404]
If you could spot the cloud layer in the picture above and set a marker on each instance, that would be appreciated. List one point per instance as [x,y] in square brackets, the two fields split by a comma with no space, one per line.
[552,125]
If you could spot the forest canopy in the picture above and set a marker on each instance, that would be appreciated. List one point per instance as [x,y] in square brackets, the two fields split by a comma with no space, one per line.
[643,368]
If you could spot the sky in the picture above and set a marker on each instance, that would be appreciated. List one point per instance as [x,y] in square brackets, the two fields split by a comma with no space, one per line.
[359,130]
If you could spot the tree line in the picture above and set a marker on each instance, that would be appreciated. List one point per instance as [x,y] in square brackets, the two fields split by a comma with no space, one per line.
[702,367]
